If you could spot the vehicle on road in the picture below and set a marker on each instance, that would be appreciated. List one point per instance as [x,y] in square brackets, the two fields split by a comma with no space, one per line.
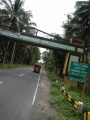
[37,67]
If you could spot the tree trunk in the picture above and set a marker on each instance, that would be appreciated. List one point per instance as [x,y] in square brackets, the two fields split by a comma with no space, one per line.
[5,53]
[12,56]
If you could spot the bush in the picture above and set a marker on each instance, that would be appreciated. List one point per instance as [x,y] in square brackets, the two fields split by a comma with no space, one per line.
[62,105]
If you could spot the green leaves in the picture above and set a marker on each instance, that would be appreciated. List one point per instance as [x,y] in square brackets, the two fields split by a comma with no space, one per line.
[13,14]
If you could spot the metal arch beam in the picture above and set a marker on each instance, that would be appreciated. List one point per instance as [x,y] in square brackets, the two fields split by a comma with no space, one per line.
[42,42]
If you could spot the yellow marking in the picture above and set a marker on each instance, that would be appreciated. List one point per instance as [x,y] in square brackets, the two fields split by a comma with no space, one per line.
[64,93]
[60,89]
[85,116]
[69,98]
[88,115]
[76,105]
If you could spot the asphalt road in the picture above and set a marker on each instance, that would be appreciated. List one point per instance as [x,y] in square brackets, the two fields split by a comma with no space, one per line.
[17,93]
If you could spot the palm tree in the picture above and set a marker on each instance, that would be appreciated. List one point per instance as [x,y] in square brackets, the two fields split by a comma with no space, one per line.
[26,52]
[82,16]
[14,15]
[36,54]
[13,11]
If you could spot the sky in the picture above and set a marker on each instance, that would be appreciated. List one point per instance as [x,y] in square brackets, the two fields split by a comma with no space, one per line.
[50,14]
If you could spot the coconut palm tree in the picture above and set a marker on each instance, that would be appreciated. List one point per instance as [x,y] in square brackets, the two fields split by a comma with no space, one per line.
[82,16]
[13,14]
[26,52]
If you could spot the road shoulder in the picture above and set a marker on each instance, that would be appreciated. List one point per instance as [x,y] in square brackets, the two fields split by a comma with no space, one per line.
[42,107]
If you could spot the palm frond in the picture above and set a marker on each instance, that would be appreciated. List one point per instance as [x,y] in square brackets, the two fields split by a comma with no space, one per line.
[7,4]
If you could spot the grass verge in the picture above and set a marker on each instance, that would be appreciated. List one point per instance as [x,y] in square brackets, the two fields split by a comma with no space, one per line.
[12,66]
[60,102]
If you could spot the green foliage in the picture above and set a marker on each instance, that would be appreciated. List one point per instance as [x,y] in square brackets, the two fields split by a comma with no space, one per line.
[13,14]
[60,102]
[12,66]
[54,118]
[24,53]
[77,25]
[54,59]
[61,118]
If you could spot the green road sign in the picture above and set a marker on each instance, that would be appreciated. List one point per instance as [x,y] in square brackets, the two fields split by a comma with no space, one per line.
[79,72]
[42,42]
[78,79]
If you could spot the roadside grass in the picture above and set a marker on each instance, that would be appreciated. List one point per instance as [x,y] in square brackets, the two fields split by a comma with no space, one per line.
[12,66]
[60,102]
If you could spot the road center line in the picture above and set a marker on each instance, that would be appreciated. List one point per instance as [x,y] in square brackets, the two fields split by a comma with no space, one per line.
[21,75]
[36,89]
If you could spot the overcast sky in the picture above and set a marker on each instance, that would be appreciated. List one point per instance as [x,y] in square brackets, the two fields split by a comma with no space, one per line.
[49,14]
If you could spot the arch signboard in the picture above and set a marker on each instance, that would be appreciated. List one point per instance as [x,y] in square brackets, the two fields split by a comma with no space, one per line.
[42,42]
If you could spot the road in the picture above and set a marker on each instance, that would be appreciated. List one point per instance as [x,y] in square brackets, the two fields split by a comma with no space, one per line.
[17,93]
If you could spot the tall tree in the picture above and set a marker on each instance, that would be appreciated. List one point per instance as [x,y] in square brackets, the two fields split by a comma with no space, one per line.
[13,14]
[82,17]
[78,26]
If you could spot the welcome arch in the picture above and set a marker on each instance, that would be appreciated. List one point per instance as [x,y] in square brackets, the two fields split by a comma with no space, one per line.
[74,48]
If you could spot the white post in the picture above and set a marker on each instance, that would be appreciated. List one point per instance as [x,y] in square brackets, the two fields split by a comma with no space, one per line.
[80,108]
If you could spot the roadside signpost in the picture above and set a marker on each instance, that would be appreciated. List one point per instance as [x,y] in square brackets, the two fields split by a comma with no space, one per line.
[79,72]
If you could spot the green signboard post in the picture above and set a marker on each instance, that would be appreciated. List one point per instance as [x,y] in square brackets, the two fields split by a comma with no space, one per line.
[79,72]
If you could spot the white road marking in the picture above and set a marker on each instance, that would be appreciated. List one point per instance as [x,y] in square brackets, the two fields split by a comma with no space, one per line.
[1,82]
[21,75]
[36,89]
